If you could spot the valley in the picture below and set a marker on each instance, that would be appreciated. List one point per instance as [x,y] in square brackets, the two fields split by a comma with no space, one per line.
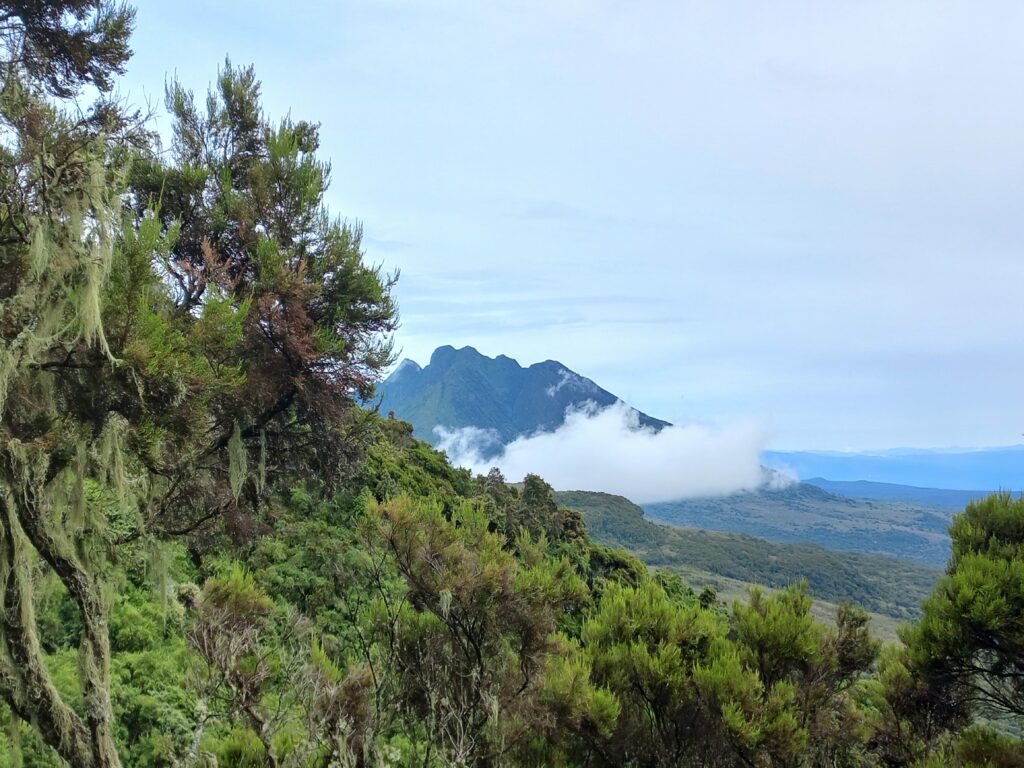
[805,513]
[884,585]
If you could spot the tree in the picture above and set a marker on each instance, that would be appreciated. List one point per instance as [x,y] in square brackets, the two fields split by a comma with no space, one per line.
[811,668]
[162,366]
[471,639]
[538,512]
[965,657]
[911,718]
[58,216]
[665,664]
[972,632]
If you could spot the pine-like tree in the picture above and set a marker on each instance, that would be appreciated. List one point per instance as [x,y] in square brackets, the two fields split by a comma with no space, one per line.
[170,343]
[971,636]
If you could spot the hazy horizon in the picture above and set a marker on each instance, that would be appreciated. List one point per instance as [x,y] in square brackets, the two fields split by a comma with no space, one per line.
[879,450]
[799,216]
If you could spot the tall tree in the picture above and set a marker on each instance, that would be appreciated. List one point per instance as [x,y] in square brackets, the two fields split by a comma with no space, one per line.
[970,639]
[244,200]
[57,229]
[160,364]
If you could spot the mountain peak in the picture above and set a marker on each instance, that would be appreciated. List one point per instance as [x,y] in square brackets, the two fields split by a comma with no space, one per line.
[442,355]
[447,354]
[464,388]
[408,365]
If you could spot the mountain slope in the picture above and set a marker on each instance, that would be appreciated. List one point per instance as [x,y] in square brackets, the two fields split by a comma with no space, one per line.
[807,513]
[463,388]
[881,584]
[944,498]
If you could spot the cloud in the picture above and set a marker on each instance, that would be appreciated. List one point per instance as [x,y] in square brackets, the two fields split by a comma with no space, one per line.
[471,445]
[607,450]
[568,379]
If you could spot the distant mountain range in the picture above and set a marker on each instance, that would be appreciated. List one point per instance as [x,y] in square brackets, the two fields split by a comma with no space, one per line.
[943,498]
[463,388]
[893,503]
[988,468]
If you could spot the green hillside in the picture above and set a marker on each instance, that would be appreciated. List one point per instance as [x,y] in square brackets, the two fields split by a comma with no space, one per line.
[881,584]
[806,513]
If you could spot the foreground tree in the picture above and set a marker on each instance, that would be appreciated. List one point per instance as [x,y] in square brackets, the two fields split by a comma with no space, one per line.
[972,633]
[964,660]
[469,639]
[151,362]
[58,211]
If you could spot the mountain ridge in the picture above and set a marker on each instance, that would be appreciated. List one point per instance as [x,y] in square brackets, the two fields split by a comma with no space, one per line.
[944,498]
[462,388]
[999,468]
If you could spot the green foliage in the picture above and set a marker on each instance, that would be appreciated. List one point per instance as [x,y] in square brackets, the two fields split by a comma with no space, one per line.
[910,717]
[777,633]
[470,638]
[645,650]
[242,748]
[397,463]
[971,632]
[983,748]
[882,585]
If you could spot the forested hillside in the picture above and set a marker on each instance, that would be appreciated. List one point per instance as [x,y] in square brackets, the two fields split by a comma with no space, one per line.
[211,555]
[803,512]
[881,584]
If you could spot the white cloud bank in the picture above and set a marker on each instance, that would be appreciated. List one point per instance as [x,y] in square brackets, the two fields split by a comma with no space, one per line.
[606,450]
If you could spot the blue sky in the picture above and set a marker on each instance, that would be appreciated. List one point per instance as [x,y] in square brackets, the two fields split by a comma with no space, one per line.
[800,215]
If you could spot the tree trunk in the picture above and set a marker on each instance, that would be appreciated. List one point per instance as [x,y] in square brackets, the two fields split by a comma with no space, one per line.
[26,683]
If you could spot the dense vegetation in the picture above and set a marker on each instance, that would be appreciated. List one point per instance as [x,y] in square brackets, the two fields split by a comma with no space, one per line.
[880,584]
[210,555]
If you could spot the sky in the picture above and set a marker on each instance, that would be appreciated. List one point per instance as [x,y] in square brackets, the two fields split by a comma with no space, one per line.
[802,216]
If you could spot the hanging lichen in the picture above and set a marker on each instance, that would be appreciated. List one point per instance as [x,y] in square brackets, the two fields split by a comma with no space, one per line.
[76,517]
[111,456]
[238,462]
[96,244]
[69,258]
[261,476]
[160,557]
[39,251]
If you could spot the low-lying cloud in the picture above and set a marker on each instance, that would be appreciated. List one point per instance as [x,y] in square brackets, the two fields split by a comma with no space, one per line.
[607,450]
